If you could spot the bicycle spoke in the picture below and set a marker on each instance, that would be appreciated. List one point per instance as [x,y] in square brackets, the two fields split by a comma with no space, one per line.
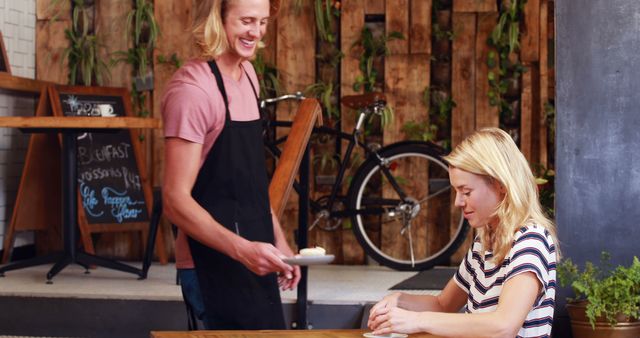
[435,194]
[411,192]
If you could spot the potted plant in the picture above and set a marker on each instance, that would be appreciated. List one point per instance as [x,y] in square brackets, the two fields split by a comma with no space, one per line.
[607,301]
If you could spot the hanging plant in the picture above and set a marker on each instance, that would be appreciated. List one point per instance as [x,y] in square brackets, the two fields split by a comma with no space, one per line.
[370,48]
[505,70]
[143,28]
[82,55]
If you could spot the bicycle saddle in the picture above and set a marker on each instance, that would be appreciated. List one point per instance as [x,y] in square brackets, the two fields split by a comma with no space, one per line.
[363,100]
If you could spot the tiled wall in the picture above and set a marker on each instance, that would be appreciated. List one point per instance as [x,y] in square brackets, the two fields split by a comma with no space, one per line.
[17,23]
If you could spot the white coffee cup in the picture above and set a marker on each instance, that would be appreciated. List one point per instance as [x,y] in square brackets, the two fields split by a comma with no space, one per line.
[106,110]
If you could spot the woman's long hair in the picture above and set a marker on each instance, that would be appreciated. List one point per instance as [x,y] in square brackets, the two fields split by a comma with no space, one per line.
[208,26]
[492,153]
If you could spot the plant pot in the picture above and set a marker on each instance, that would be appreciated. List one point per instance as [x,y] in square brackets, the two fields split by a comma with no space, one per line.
[581,328]
[144,83]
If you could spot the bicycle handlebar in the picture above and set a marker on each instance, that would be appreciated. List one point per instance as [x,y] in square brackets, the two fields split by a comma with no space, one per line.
[297,96]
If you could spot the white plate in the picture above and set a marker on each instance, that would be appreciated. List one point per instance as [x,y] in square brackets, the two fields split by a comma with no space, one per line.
[309,260]
[393,335]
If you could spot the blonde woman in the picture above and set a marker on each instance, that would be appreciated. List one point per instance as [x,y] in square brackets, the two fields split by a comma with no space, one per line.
[506,282]
[215,186]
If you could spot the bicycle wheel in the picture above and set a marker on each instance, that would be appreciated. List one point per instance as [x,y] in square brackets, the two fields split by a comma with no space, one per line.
[403,207]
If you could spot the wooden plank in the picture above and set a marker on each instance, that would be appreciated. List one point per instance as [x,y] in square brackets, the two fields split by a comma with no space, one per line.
[112,31]
[529,114]
[70,122]
[308,114]
[397,20]
[295,60]
[406,78]
[463,76]
[271,334]
[21,84]
[420,30]
[174,19]
[486,114]
[374,7]
[473,6]
[33,208]
[351,25]
[530,37]
[53,9]
[544,82]
[463,61]
[50,45]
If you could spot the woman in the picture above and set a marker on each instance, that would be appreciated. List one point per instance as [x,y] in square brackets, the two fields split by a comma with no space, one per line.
[215,187]
[507,279]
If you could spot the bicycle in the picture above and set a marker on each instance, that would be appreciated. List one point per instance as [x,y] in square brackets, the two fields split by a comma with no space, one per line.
[400,191]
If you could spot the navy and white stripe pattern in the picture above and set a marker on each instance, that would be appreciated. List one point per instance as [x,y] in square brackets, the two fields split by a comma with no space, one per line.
[533,251]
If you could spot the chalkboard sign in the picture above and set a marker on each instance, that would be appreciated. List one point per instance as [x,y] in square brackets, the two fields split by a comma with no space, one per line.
[4,60]
[112,187]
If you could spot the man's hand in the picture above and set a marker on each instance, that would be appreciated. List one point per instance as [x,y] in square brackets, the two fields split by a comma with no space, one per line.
[262,259]
[288,280]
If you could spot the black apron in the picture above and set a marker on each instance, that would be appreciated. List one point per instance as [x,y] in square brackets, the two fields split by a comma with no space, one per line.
[232,186]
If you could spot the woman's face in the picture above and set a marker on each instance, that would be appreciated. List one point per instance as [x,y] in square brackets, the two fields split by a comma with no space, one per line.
[477,196]
[245,24]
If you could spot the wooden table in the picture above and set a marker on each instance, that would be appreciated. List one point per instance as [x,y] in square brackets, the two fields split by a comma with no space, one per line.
[70,127]
[272,334]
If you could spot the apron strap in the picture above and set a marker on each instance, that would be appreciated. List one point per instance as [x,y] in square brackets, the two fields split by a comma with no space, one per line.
[216,73]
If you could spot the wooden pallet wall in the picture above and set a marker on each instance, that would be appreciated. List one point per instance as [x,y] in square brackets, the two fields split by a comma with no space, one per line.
[291,41]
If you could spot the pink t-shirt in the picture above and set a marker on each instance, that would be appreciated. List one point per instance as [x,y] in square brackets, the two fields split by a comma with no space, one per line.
[193,109]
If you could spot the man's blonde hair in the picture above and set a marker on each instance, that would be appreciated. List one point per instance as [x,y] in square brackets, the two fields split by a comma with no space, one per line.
[492,153]
[208,26]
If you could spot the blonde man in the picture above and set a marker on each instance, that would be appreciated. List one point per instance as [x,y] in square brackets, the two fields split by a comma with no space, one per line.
[215,186]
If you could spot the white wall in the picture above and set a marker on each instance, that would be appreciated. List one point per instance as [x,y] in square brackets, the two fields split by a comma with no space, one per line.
[17,23]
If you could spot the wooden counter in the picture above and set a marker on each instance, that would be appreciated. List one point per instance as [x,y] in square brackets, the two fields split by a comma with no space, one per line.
[272,334]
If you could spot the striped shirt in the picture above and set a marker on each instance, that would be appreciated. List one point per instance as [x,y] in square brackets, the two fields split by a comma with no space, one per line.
[533,251]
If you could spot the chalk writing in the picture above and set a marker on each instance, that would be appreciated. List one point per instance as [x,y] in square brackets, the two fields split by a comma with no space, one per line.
[131,180]
[105,153]
[122,206]
[89,200]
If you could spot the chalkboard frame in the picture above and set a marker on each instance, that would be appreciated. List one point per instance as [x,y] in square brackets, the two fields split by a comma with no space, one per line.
[5,67]
[86,228]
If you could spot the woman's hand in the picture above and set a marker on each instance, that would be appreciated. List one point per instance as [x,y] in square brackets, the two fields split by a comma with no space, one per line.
[387,302]
[394,319]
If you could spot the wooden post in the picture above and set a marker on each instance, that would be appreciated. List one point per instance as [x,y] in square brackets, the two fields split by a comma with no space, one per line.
[530,40]
[397,20]
[295,61]
[463,87]
[544,83]
[351,25]
[486,114]
[420,30]
[473,6]
[406,78]
[529,114]
[463,76]
[174,19]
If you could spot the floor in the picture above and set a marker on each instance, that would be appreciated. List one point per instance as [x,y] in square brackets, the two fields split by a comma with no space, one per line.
[327,284]
[105,302]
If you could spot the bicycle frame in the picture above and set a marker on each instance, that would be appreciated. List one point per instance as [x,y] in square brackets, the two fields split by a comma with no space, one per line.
[352,139]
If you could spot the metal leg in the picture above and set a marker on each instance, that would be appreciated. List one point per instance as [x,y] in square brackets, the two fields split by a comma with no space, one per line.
[153,232]
[83,257]
[303,219]
[65,260]
[31,262]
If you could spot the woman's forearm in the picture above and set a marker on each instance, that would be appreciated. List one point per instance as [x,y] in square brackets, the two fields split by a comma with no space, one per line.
[490,325]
